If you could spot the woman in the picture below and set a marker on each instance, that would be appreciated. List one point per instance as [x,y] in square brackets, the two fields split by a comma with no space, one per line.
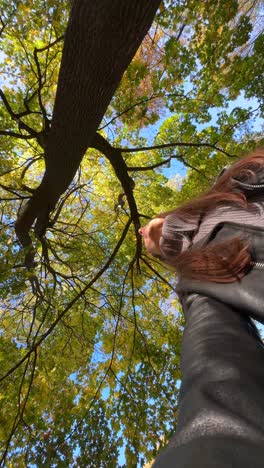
[216,244]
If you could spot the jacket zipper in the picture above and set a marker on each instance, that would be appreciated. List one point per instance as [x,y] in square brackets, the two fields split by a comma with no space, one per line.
[253,185]
[259,265]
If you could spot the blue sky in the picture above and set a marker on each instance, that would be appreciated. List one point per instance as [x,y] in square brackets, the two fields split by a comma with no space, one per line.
[256,124]
[178,168]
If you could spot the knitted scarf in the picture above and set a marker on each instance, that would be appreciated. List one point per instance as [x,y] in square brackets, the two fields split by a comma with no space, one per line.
[178,235]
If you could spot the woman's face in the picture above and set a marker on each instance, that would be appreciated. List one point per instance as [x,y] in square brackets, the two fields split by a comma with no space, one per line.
[151,235]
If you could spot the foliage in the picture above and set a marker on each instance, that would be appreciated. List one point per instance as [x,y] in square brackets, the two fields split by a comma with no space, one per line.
[90,337]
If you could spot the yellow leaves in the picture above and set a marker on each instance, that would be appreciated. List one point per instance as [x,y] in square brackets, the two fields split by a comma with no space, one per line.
[88,390]
[20,20]
[123,325]
[24,9]
[42,382]
[39,44]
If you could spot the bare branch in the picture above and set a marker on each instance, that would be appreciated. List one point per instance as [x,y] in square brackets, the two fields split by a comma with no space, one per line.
[22,402]
[162,163]
[22,126]
[149,168]
[143,258]
[138,103]
[63,201]
[173,144]
[7,105]
[40,86]
[36,345]
[3,25]
[48,46]
[13,191]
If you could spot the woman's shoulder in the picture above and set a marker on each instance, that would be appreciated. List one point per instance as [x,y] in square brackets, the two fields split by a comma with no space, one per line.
[246,294]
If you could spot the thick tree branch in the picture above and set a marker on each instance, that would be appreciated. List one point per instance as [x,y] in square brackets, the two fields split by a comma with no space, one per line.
[16,135]
[100,42]
[115,158]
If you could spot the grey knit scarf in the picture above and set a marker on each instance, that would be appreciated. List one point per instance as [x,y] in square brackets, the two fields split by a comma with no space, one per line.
[178,235]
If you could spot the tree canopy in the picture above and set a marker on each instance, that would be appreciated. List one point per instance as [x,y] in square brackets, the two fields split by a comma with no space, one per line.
[90,326]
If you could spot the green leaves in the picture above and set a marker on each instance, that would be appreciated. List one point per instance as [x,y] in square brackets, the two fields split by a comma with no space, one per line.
[90,334]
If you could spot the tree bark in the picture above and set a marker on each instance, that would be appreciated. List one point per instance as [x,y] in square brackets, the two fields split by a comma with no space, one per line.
[101,39]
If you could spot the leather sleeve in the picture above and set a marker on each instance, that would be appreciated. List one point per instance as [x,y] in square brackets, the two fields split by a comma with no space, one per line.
[221,410]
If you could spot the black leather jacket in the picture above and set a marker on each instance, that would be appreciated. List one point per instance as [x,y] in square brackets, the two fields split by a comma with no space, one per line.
[221,409]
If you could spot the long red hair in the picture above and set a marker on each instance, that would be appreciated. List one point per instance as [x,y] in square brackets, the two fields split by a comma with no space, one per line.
[226,261]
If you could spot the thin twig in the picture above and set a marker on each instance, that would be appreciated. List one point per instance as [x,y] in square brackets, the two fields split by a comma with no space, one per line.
[171,145]
[70,305]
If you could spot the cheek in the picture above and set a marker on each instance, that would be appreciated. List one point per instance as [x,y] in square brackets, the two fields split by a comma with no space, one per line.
[150,239]
[151,246]
[147,242]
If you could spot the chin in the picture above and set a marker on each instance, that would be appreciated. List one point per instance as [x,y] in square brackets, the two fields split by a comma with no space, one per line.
[154,252]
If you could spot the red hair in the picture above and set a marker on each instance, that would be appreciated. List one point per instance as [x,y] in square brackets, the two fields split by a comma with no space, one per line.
[226,261]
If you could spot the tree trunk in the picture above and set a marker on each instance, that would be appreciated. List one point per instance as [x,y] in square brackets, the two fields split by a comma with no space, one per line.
[101,39]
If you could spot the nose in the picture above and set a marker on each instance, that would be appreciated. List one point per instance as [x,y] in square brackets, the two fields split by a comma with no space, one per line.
[141,231]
